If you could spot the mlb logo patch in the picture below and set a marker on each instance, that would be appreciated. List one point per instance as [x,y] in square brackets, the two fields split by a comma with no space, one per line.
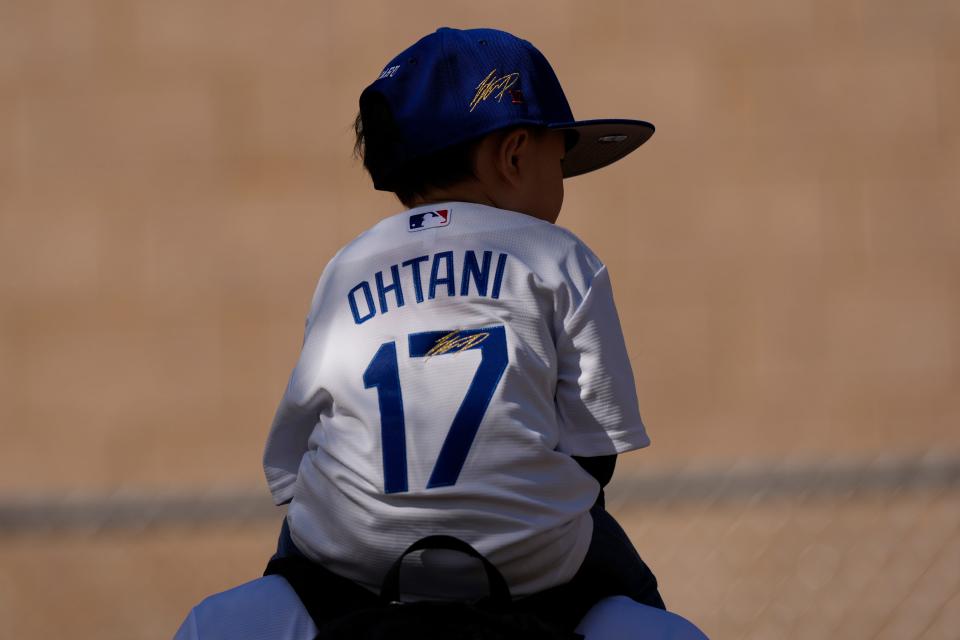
[429,220]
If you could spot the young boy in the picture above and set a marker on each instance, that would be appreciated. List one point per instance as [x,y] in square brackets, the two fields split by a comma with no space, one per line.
[463,370]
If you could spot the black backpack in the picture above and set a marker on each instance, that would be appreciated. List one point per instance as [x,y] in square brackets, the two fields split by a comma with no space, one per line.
[363,616]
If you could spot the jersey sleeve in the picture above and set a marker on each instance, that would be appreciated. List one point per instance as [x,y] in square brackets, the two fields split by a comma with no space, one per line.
[298,412]
[596,396]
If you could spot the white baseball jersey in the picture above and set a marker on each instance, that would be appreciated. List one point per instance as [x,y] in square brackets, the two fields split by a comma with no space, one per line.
[456,356]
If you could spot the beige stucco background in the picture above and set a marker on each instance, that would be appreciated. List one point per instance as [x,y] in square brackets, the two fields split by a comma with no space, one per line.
[174,175]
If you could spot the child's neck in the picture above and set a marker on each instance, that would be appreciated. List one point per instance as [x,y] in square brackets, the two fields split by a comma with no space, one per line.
[473,192]
[463,192]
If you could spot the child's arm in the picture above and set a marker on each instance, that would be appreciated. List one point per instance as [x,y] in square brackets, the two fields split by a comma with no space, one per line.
[595,395]
[294,422]
[299,410]
[600,467]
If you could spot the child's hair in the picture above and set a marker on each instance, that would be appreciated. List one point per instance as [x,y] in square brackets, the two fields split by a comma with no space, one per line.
[376,136]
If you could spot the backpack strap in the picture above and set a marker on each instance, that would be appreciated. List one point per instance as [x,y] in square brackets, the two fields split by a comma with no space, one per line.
[499,597]
[326,595]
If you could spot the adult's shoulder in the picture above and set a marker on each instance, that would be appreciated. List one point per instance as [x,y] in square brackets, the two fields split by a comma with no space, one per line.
[620,618]
[263,609]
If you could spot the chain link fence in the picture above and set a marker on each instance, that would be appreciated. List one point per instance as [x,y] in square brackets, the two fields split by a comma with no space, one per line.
[837,549]
[866,550]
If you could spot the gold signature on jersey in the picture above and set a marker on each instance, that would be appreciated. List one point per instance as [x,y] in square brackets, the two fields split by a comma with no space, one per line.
[454,342]
[492,83]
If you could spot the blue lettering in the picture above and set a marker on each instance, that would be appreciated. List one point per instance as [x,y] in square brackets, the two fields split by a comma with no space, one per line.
[480,275]
[395,287]
[368,296]
[498,276]
[436,280]
[414,265]
[475,279]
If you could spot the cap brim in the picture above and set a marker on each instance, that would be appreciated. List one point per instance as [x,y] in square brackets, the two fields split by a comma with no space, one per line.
[601,142]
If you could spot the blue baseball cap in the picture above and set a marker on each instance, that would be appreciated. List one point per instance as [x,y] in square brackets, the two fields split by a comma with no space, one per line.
[456,85]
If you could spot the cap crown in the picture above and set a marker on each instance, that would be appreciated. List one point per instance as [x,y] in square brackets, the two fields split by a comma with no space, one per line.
[456,85]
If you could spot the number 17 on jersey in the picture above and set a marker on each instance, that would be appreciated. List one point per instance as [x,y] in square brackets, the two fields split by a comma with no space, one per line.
[383,374]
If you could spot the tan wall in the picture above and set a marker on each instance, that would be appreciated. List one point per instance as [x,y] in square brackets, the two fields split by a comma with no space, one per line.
[174,175]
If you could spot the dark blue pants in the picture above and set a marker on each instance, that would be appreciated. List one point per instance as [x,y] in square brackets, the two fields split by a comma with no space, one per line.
[611,567]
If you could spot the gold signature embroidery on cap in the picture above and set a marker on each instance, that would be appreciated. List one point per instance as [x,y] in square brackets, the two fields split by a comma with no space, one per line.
[490,84]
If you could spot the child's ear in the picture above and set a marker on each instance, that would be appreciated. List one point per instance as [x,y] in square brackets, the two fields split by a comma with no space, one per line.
[511,151]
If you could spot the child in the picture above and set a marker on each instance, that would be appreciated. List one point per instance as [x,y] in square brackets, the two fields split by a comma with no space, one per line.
[463,370]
